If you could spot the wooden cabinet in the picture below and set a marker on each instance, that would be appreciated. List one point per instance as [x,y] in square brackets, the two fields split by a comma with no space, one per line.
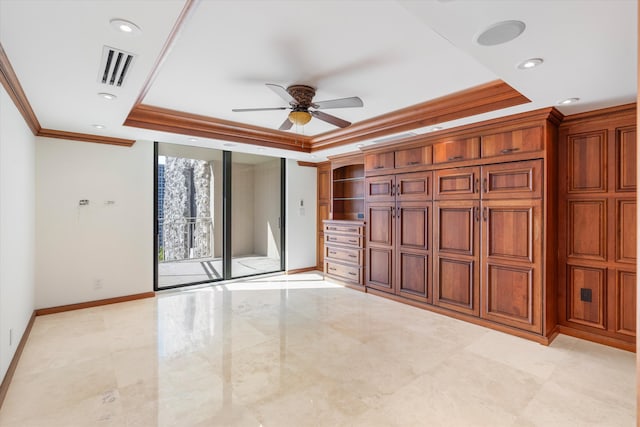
[343,251]
[324,201]
[514,180]
[399,234]
[457,255]
[347,187]
[412,157]
[512,142]
[597,227]
[459,183]
[379,161]
[456,150]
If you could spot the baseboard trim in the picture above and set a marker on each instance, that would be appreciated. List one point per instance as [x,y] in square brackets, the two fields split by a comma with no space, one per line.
[301,270]
[600,339]
[89,304]
[4,387]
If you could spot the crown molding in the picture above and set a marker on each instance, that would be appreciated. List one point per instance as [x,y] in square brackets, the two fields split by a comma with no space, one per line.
[13,87]
[484,98]
[85,137]
[166,120]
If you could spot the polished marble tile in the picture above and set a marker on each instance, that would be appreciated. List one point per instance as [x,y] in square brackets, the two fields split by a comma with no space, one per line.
[298,351]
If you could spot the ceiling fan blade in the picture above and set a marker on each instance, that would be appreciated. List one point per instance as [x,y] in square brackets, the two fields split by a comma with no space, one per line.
[282,93]
[240,110]
[286,125]
[353,101]
[330,119]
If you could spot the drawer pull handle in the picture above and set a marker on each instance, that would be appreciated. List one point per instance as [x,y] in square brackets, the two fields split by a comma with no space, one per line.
[413,163]
[509,150]
[456,158]
[352,230]
[353,241]
[332,269]
[332,228]
[484,185]
[378,167]
[352,256]
[333,239]
[332,253]
[352,273]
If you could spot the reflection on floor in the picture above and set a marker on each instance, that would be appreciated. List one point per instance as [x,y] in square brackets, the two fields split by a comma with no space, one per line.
[298,351]
[190,271]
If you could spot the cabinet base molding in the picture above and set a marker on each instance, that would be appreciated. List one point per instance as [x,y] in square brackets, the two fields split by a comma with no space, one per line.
[471,319]
[302,270]
[597,338]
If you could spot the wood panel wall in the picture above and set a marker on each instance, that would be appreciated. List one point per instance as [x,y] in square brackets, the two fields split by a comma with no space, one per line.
[597,226]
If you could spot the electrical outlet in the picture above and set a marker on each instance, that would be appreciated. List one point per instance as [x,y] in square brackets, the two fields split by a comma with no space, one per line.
[97,284]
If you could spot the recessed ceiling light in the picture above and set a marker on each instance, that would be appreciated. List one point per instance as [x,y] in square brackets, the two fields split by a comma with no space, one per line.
[313,156]
[125,26]
[436,128]
[261,148]
[229,144]
[193,139]
[108,96]
[360,145]
[500,32]
[568,101]
[530,63]
[98,126]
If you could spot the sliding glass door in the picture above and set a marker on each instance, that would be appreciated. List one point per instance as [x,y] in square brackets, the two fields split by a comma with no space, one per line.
[218,215]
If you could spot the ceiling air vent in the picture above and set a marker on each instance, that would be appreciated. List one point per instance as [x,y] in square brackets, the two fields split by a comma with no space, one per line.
[115,66]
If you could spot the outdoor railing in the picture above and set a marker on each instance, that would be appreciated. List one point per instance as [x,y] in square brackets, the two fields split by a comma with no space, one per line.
[185,238]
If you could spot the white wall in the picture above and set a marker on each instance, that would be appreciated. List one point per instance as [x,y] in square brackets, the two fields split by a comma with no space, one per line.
[301,221]
[77,246]
[266,193]
[17,227]
[242,208]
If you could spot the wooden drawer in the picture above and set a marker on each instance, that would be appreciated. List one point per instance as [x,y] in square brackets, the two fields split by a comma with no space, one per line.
[414,186]
[515,180]
[456,150]
[458,183]
[342,271]
[348,255]
[378,161]
[344,239]
[413,157]
[343,229]
[517,141]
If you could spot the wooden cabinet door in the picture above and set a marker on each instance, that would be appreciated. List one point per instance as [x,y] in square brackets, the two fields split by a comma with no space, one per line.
[413,250]
[320,251]
[380,188]
[456,150]
[380,219]
[515,180]
[511,142]
[324,183]
[414,186]
[456,255]
[458,183]
[378,161]
[511,284]
[413,157]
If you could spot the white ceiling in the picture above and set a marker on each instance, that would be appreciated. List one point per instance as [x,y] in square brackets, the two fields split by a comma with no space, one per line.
[392,54]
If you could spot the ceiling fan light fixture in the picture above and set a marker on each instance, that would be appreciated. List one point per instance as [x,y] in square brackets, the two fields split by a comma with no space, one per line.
[299,118]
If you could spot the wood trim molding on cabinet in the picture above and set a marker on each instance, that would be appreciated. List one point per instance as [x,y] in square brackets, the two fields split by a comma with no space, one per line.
[307,164]
[12,85]
[166,120]
[8,376]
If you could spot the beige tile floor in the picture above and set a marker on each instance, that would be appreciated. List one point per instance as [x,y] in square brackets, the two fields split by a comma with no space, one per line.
[297,351]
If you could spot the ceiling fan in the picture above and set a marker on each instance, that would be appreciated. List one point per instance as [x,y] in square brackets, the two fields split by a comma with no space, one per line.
[300,100]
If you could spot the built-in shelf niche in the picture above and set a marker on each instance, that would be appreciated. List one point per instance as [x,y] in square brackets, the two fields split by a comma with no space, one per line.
[348,192]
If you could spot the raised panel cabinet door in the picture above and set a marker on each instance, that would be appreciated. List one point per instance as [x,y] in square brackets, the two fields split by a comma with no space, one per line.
[378,161]
[413,250]
[514,180]
[586,301]
[413,157]
[512,142]
[511,283]
[457,184]
[626,159]
[626,214]
[323,213]
[379,188]
[587,229]
[380,268]
[414,186]
[320,251]
[456,255]
[456,150]
[587,162]
[626,302]
[324,184]
[380,220]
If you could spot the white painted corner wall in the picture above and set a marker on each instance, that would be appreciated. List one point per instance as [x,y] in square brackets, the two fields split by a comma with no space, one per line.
[103,249]
[301,220]
[17,228]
